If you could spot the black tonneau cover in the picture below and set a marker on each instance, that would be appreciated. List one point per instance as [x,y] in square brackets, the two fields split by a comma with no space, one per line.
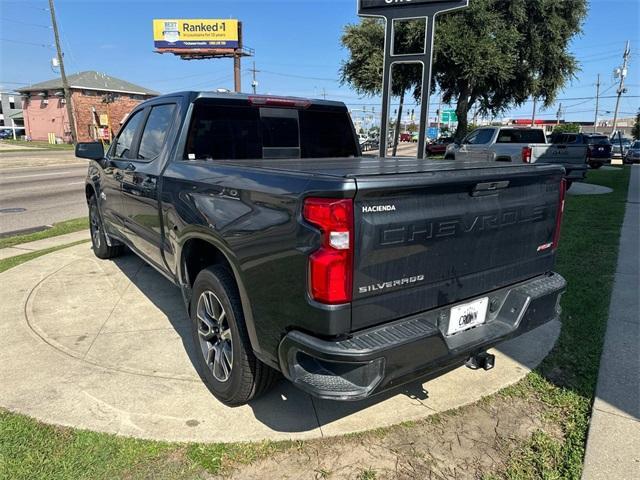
[374,166]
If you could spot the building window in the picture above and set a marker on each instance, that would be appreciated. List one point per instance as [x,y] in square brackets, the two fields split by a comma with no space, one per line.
[90,93]
[12,103]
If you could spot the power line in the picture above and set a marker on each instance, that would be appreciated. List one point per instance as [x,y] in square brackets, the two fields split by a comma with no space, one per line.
[20,22]
[300,76]
[26,43]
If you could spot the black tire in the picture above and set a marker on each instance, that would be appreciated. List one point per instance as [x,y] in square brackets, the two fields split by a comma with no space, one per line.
[248,377]
[595,165]
[98,238]
[449,157]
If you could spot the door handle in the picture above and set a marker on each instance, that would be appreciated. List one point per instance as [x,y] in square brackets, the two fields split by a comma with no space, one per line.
[130,168]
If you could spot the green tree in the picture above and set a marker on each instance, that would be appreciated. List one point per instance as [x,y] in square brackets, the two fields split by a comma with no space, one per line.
[636,128]
[496,54]
[567,128]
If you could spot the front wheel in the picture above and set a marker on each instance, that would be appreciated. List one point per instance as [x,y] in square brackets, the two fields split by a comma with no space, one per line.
[101,248]
[225,360]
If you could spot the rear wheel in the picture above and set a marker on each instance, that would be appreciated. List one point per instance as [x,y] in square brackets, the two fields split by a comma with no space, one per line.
[225,360]
[98,237]
[595,165]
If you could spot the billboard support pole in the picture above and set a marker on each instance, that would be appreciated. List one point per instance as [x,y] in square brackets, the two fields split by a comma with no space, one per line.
[394,11]
[237,65]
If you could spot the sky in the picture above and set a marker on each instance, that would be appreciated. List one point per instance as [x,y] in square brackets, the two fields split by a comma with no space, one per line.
[297,45]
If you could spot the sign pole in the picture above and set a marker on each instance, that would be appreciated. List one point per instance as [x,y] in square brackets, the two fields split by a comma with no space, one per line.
[398,10]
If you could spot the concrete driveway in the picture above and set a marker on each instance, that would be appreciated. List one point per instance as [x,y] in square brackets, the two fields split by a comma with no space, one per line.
[105,345]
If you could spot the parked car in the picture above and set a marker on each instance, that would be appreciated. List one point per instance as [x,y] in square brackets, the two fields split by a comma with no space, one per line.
[598,146]
[406,137]
[520,145]
[6,133]
[633,154]
[618,150]
[438,147]
[293,253]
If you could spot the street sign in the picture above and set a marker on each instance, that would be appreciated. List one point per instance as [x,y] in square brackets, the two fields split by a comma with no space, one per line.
[448,116]
[394,11]
[367,6]
[432,133]
[196,34]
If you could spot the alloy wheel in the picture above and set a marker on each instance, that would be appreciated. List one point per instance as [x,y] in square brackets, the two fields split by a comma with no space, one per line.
[214,335]
[96,228]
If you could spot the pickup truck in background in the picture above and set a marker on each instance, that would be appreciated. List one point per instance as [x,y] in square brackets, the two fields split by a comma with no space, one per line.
[520,145]
[599,148]
[295,254]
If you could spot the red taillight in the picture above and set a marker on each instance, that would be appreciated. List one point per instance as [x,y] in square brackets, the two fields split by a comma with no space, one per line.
[559,214]
[331,266]
[286,102]
[526,155]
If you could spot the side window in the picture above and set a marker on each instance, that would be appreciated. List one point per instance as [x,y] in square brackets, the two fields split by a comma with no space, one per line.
[155,131]
[484,137]
[124,142]
[471,138]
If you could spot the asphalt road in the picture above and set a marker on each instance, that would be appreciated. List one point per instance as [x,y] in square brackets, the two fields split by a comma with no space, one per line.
[40,188]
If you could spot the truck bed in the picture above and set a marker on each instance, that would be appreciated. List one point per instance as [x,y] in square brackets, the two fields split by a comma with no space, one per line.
[374,166]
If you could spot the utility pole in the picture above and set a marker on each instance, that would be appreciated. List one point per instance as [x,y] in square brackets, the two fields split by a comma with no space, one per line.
[439,112]
[595,121]
[621,89]
[558,115]
[63,75]
[254,83]
[533,115]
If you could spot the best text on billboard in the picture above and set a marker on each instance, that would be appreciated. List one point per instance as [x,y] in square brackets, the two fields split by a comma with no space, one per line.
[195,33]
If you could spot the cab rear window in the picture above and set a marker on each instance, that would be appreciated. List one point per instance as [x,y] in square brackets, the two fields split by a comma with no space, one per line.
[512,135]
[219,132]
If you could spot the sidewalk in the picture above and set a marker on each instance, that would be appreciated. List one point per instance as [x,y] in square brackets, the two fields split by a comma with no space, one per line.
[43,244]
[613,445]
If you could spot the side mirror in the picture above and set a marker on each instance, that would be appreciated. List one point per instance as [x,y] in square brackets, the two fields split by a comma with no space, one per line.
[90,150]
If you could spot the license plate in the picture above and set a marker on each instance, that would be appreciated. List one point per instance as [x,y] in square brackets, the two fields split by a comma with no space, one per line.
[468,315]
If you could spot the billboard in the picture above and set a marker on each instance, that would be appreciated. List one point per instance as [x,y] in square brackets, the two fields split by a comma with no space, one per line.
[196,33]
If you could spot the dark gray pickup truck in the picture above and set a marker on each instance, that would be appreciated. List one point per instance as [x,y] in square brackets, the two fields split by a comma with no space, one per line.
[295,254]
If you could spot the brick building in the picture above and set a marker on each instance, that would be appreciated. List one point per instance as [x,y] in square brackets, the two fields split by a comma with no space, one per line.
[99,104]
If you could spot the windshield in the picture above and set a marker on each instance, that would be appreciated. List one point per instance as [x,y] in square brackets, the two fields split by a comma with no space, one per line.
[598,140]
[241,132]
[636,145]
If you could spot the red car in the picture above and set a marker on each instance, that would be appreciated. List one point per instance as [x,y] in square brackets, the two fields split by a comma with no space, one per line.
[439,146]
[405,137]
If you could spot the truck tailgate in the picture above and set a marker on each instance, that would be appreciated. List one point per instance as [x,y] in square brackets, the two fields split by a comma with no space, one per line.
[569,155]
[424,240]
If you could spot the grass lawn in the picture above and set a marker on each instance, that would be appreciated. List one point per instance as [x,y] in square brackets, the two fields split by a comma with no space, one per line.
[563,385]
[566,380]
[61,228]
[37,144]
